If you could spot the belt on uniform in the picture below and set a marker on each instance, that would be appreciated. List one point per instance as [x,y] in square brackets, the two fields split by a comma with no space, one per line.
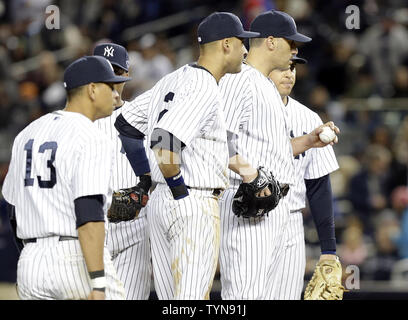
[61,238]
[215,192]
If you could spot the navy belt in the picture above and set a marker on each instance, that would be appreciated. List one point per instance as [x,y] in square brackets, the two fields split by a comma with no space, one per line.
[61,238]
[215,192]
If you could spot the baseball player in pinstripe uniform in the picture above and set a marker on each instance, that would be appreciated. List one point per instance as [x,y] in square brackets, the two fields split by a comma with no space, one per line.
[128,241]
[251,254]
[182,119]
[58,189]
[312,169]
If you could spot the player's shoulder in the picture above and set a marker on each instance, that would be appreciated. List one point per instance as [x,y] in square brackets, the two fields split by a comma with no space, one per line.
[245,73]
[195,82]
[300,109]
[242,79]
[182,72]
[41,122]
[80,128]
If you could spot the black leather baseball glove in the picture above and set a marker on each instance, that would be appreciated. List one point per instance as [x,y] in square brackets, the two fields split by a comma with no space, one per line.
[127,203]
[246,202]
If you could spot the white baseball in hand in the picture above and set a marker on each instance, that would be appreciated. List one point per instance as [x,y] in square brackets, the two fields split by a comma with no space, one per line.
[327,135]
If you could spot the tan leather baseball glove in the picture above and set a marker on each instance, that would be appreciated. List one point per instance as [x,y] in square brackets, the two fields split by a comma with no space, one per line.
[326,281]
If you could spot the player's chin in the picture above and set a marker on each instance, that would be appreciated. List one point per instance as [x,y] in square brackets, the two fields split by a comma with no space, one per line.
[109,111]
[285,90]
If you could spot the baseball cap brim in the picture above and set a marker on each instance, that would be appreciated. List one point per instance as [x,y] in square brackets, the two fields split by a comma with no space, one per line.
[298,37]
[117,79]
[299,60]
[248,34]
[119,66]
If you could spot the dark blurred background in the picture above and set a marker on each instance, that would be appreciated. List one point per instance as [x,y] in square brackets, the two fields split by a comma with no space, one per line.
[356,77]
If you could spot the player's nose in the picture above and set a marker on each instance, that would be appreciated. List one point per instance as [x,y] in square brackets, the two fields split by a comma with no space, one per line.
[115,96]
[293,47]
[244,52]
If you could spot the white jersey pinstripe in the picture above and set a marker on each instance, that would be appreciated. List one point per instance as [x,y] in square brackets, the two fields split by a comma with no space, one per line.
[200,125]
[55,160]
[188,104]
[312,164]
[255,112]
[74,148]
[127,241]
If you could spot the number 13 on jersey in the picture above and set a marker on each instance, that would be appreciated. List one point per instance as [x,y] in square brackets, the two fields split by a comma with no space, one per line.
[29,181]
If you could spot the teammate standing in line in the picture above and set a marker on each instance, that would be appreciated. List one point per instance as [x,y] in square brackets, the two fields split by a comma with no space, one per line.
[58,189]
[182,118]
[128,241]
[312,169]
[251,254]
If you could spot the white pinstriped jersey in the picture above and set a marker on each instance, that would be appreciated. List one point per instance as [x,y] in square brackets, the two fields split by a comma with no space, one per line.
[56,159]
[188,104]
[312,164]
[123,175]
[254,110]
[123,234]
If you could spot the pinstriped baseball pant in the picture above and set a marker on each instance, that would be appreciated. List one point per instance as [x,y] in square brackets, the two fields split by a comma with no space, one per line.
[55,270]
[131,256]
[292,269]
[184,236]
[253,253]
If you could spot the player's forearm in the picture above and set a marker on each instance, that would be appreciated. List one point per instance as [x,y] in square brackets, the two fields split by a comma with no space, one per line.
[169,165]
[92,237]
[240,166]
[168,161]
[300,144]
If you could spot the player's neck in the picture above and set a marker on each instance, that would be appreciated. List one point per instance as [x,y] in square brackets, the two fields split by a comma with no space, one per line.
[285,100]
[212,67]
[79,107]
[257,62]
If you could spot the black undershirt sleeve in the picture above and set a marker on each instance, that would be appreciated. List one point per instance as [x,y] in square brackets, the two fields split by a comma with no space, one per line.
[319,195]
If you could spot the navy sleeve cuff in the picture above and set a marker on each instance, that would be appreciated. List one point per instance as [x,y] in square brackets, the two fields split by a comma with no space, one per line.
[89,209]
[126,129]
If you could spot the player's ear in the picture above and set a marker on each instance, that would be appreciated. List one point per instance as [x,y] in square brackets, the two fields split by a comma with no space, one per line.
[226,44]
[271,43]
[91,90]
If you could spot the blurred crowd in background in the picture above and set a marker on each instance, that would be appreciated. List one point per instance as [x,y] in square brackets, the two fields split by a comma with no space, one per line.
[356,77]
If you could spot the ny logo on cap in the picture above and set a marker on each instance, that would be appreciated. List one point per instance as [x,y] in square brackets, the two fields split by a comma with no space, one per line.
[108,51]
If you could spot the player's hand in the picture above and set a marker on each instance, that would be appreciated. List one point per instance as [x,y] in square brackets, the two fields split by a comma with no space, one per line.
[96,295]
[264,193]
[250,177]
[314,140]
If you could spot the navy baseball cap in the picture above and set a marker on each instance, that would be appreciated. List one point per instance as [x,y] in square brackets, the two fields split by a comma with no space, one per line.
[115,53]
[277,24]
[90,69]
[299,60]
[221,25]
